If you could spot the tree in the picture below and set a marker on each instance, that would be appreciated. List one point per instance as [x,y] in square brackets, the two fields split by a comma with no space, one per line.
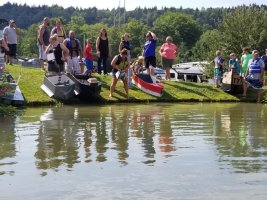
[182,27]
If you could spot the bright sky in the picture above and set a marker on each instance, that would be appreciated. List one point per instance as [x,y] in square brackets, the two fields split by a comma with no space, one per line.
[132,4]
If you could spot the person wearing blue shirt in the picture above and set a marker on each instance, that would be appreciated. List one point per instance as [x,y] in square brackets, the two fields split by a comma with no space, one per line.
[149,52]
[233,64]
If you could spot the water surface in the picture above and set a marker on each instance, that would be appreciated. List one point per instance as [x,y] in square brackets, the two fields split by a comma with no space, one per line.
[153,151]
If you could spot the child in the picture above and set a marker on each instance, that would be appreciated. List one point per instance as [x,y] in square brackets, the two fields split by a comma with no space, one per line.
[233,64]
[137,65]
[89,57]
[218,68]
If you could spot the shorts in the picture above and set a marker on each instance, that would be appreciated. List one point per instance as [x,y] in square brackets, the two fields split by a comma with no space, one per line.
[217,73]
[122,75]
[150,60]
[166,63]
[73,65]
[254,82]
[55,68]
[89,64]
[42,55]
[12,50]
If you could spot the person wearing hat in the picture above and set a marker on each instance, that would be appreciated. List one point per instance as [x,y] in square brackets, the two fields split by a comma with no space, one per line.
[10,35]
[254,75]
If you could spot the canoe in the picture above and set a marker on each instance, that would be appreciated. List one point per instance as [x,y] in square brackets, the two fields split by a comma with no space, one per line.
[88,88]
[10,93]
[148,84]
[59,87]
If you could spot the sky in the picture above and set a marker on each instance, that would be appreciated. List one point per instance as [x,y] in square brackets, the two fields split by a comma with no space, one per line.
[132,4]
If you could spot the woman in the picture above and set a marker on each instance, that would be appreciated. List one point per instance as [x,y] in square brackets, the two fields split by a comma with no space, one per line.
[168,51]
[120,66]
[60,31]
[55,58]
[125,44]
[102,50]
[149,52]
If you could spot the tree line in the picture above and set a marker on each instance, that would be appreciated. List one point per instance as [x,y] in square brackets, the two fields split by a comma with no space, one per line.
[198,33]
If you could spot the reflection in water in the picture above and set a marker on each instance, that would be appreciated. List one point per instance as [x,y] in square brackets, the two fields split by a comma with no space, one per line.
[146,134]
[57,142]
[241,137]
[7,144]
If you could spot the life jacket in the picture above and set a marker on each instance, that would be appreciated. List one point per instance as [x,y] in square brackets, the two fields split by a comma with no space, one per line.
[62,32]
[71,49]
[254,67]
[126,45]
[121,63]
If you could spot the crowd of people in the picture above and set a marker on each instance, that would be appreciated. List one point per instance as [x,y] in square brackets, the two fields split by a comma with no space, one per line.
[251,69]
[121,63]
[64,53]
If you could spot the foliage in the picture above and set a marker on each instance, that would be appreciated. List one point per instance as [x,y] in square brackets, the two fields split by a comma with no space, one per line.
[8,111]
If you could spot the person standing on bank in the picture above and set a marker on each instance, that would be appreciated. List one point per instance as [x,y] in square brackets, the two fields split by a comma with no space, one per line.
[102,50]
[120,66]
[75,53]
[125,44]
[264,59]
[60,31]
[10,35]
[3,49]
[168,52]
[149,52]
[254,75]
[55,58]
[43,40]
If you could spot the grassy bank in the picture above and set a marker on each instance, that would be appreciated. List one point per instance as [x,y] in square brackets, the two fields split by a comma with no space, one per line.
[32,78]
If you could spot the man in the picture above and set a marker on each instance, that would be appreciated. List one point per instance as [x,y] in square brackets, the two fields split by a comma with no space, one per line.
[75,54]
[43,40]
[60,31]
[254,75]
[10,36]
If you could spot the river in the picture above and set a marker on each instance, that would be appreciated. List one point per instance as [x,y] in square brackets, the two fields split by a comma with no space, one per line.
[135,151]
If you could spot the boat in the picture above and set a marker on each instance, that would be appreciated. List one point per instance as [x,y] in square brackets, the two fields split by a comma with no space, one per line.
[148,84]
[232,82]
[66,87]
[60,87]
[88,88]
[10,93]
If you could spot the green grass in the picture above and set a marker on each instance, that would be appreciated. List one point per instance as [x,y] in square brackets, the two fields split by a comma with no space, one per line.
[32,78]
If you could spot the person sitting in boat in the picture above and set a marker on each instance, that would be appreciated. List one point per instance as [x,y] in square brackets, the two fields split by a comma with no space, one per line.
[137,65]
[254,75]
[55,58]
[149,52]
[233,64]
[3,47]
[120,66]
[75,53]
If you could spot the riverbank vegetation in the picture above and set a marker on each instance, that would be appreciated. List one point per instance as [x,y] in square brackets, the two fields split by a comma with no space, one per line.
[30,80]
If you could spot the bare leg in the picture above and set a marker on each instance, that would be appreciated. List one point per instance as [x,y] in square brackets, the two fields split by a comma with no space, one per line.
[112,86]
[245,87]
[125,83]
[167,75]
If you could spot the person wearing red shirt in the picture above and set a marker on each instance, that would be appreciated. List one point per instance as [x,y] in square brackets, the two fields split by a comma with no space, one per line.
[89,56]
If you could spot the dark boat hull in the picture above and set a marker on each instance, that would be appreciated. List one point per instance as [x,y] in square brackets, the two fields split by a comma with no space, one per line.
[86,91]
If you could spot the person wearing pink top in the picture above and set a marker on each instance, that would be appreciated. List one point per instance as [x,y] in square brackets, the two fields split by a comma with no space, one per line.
[168,51]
